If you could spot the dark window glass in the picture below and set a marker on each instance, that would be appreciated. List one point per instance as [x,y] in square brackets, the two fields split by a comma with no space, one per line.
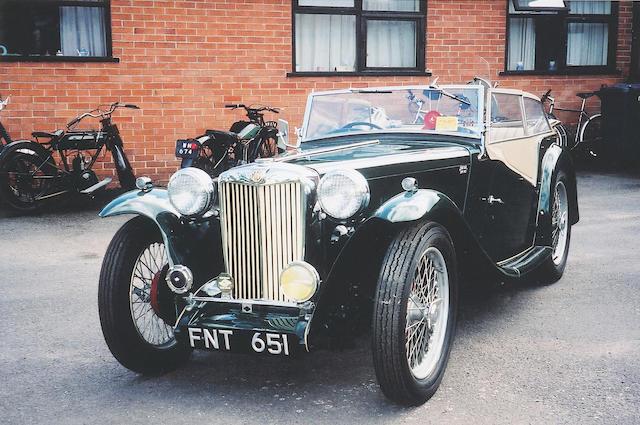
[581,35]
[30,28]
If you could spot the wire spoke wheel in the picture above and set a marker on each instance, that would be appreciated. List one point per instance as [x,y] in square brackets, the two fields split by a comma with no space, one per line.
[25,181]
[136,308]
[559,222]
[427,313]
[149,325]
[415,313]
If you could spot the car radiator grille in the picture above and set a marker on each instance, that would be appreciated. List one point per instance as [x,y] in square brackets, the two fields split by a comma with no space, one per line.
[262,230]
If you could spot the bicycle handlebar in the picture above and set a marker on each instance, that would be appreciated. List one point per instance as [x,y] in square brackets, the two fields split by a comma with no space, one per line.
[4,103]
[99,114]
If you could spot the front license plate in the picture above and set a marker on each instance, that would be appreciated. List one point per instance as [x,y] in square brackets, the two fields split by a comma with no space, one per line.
[277,344]
[187,149]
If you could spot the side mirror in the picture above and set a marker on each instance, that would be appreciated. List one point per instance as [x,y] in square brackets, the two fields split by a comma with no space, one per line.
[283,136]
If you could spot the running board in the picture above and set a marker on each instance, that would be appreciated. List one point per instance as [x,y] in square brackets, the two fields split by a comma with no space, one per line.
[91,189]
[524,262]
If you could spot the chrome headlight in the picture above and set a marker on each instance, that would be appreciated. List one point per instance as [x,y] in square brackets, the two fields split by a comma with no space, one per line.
[343,193]
[191,191]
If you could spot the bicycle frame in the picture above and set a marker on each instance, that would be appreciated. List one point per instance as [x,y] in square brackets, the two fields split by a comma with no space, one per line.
[583,118]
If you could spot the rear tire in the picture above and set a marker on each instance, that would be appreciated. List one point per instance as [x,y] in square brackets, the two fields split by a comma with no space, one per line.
[553,267]
[414,314]
[136,335]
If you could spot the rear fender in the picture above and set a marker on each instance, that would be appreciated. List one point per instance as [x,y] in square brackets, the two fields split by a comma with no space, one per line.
[196,245]
[28,147]
[555,159]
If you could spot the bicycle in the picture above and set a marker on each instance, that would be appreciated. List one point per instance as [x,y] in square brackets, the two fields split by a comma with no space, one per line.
[218,150]
[588,131]
[30,175]
[5,139]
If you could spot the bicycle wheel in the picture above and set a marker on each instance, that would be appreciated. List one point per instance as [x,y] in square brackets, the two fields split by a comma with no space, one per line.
[591,136]
[24,178]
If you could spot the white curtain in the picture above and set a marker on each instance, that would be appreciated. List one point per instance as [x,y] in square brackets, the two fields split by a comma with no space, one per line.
[82,28]
[392,5]
[522,43]
[391,44]
[587,44]
[325,42]
[590,7]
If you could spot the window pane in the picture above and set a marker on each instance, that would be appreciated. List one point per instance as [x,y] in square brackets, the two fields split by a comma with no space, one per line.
[392,5]
[325,42]
[326,3]
[522,44]
[536,122]
[82,31]
[29,29]
[590,7]
[540,4]
[391,44]
[506,117]
[588,44]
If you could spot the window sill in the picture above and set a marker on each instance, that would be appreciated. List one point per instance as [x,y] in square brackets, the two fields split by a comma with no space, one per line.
[583,71]
[376,73]
[11,58]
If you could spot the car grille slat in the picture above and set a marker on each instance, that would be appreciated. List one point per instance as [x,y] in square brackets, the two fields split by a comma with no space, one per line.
[262,233]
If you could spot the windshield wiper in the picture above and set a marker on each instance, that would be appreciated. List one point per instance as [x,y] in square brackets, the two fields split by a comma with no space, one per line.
[434,86]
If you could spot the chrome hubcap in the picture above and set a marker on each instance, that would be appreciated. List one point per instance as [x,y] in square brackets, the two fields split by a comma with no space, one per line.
[559,223]
[427,314]
[149,325]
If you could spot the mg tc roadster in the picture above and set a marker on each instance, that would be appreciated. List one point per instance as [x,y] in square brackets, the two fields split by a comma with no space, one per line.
[386,201]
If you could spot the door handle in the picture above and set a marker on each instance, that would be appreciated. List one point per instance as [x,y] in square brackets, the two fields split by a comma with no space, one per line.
[491,200]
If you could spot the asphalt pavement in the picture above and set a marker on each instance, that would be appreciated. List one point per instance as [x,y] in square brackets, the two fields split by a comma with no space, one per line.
[563,353]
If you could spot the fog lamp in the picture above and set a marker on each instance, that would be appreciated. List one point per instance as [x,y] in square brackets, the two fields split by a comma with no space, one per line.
[299,281]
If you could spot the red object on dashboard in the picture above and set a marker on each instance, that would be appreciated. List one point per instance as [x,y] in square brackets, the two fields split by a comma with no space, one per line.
[430,120]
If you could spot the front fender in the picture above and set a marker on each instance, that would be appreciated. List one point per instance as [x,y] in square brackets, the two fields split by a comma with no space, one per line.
[154,205]
[412,206]
[195,244]
[346,298]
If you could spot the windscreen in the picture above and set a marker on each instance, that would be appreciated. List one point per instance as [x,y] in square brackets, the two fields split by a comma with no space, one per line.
[449,109]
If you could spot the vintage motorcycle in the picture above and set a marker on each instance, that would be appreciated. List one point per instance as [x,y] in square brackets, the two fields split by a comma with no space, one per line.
[30,174]
[218,150]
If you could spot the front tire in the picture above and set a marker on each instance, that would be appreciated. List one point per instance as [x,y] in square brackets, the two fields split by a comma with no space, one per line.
[132,270]
[25,178]
[415,313]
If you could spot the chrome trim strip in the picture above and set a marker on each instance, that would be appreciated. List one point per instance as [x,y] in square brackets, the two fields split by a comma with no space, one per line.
[403,158]
[241,301]
[303,154]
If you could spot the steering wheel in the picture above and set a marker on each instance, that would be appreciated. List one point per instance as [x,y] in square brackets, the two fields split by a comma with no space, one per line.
[357,123]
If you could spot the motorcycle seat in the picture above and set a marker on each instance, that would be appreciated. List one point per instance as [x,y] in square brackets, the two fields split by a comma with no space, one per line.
[46,135]
[221,136]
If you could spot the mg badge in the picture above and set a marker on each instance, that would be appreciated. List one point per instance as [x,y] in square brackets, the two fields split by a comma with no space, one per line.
[258,176]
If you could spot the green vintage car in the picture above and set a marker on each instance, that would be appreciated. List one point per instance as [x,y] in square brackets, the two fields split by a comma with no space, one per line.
[387,200]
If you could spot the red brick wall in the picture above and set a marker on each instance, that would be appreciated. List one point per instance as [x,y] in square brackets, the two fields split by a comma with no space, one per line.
[181,61]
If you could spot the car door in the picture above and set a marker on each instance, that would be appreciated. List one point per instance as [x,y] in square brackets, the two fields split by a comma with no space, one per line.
[512,147]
